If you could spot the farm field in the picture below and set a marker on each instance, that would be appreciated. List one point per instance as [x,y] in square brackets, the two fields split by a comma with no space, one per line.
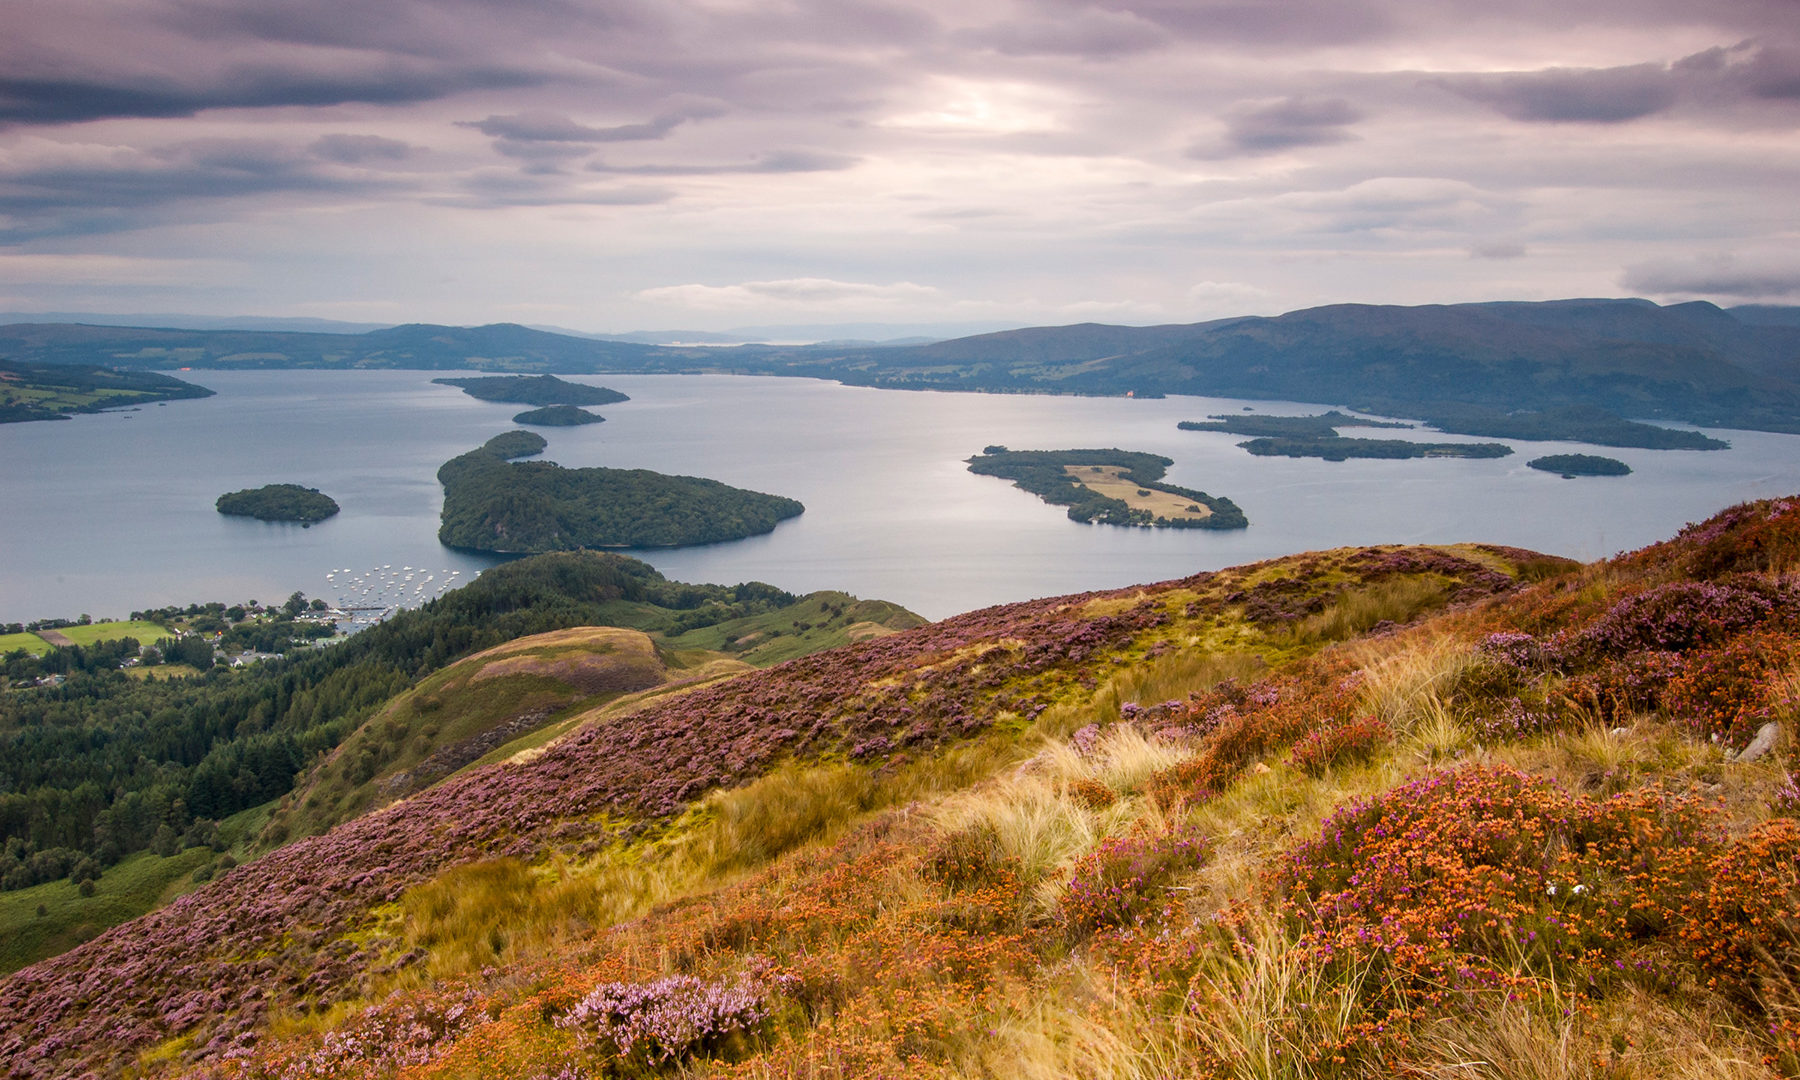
[145,632]
[31,643]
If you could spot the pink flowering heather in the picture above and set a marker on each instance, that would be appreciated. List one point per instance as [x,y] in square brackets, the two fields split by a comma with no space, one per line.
[675,1017]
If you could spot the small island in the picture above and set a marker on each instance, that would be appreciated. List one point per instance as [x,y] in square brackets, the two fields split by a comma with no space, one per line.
[278,502]
[1338,448]
[495,504]
[1322,426]
[1111,487]
[533,390]
[1572,423]
[558,416]
[1569,466]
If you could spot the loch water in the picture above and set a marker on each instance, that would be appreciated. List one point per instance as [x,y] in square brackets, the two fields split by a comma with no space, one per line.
[113,512]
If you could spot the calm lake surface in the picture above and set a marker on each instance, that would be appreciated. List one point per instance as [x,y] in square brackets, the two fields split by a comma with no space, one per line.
[110,513]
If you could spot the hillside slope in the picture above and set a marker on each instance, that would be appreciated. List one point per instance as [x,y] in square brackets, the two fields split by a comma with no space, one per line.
[1690,362]
[1394,811]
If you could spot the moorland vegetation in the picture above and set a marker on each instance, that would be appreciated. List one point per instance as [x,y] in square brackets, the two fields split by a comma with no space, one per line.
[105,767]
[1369,812]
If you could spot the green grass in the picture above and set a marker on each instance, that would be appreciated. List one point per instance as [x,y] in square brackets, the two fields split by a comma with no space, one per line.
[821,620]
[136,885]
[31,643]
[145,632]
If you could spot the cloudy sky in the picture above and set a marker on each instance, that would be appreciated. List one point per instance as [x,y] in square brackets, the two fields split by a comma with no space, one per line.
[640,164]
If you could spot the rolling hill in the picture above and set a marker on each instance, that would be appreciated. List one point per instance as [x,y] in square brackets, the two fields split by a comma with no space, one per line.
[1691,362]
[1364,812]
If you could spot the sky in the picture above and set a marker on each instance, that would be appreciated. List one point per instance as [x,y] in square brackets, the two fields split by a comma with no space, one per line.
[614,165]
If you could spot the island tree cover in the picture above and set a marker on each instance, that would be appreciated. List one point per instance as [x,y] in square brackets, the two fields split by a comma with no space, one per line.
[534,390]
[558,416]
[1570,465]
[55,391]
[278,502]
[1044,473]
[1324,425]
[493,504]
[1541,820]
[1573,423]
[1338,448]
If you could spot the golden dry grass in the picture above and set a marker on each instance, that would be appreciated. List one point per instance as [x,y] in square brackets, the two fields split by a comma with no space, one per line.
[1110,481]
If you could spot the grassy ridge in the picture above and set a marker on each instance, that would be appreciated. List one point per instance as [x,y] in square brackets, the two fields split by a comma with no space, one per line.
[1479,838]
[625,783]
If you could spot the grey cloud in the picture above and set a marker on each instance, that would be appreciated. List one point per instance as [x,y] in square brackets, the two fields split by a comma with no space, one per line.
[1090,33]
[78,199]
[491,190]
[359,149]
[26,101]
[1571,95]
[1265,22]
[1291,122]
[1749,71]
[778,161]
[1756,278]
[1775,73]
[440,28]
[550,127]
[527,150]
[1497,250]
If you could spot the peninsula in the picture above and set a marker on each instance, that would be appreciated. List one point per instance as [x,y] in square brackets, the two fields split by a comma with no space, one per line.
[58,391]
[495,504]
[1112,487]
[278,502]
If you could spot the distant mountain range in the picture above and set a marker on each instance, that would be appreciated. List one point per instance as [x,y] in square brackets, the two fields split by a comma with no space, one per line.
[1691,362]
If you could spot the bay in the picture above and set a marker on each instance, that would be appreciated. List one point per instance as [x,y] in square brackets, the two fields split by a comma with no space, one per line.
[113,512]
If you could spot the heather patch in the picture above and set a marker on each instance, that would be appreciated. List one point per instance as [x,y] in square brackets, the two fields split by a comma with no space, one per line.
[664,1021]
[1439,895]
[1128,880]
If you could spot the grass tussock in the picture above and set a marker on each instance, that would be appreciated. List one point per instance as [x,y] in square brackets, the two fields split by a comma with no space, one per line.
[1173,676]
[1397,601]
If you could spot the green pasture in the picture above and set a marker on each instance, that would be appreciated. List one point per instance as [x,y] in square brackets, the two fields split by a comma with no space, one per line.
[31,643]
[145,632]
[137,884]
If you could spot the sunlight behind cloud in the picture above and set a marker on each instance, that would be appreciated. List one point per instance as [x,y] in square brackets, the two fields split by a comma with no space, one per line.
[995,108]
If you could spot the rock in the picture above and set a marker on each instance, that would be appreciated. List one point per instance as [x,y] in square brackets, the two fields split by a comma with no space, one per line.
[1762,744]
